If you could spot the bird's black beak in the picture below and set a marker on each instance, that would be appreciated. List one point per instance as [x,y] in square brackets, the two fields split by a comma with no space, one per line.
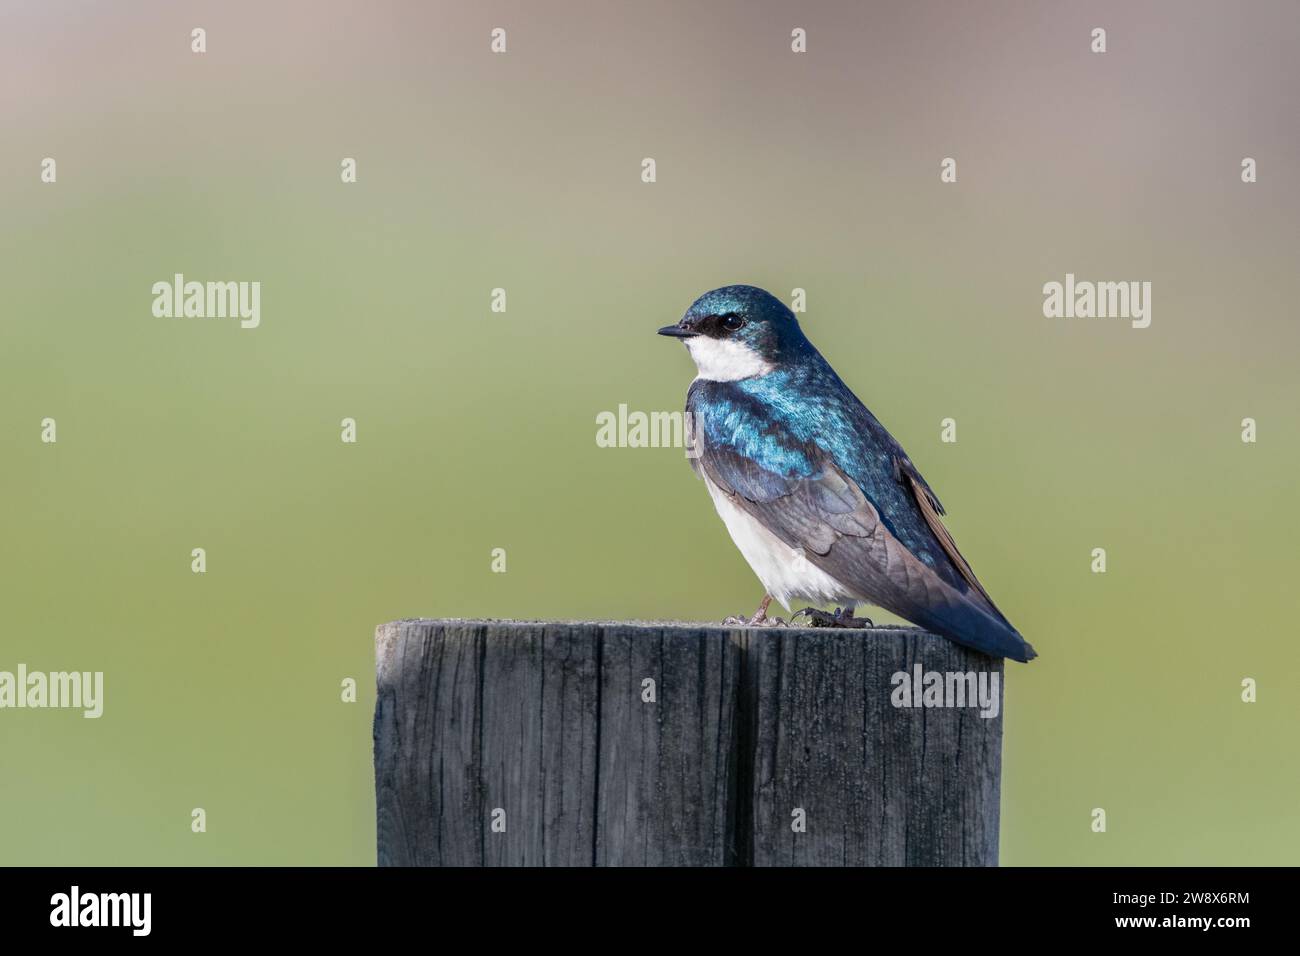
[678,332]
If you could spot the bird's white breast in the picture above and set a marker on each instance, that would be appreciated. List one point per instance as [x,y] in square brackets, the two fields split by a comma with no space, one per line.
[784,571]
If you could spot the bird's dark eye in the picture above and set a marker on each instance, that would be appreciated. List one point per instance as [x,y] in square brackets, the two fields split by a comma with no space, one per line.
[732,322]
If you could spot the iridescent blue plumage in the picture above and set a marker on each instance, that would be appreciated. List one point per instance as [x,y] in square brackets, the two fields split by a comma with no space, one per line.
[787,442]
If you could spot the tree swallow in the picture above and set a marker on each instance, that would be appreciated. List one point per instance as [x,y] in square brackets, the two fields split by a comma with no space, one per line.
[820,499]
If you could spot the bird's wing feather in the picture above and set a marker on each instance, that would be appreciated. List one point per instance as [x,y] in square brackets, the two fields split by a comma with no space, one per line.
[929,510]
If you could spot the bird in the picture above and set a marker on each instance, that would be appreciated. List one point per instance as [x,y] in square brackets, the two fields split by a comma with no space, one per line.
[820,500]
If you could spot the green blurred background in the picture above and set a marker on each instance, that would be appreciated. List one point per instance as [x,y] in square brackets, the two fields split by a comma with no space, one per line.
[477,430]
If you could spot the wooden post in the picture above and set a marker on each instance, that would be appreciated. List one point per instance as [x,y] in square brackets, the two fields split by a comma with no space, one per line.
[505,743]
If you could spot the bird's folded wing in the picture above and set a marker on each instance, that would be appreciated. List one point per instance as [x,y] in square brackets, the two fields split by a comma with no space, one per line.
[825,514]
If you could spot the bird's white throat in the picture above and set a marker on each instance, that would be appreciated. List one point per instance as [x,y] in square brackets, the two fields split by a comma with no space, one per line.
[726,360]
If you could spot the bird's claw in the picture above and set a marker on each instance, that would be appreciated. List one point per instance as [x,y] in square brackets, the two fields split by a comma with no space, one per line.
[841,618]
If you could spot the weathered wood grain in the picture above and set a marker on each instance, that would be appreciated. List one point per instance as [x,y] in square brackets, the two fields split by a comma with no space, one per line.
[878,785]
[666,777]
[617,744]
[471,718]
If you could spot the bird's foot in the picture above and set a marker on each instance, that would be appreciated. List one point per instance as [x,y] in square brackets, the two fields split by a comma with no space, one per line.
[760,618]
[843,617]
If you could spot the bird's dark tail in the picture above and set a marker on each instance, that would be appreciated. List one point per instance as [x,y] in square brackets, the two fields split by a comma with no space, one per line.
[972,626]
[964,618]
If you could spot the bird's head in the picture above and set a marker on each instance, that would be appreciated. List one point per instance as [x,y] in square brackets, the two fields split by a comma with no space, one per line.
[737,332]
